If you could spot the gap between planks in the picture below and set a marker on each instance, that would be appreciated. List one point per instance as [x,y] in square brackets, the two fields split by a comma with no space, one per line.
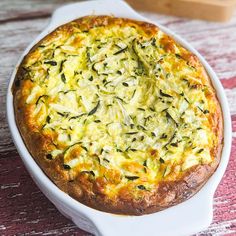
[36,15]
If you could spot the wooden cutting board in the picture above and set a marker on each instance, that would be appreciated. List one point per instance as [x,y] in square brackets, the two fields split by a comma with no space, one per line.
[213,10]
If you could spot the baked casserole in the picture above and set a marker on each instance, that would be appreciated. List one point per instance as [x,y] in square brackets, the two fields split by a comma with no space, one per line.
[118,115]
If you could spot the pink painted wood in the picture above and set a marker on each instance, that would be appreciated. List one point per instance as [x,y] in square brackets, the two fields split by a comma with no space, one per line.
[24,210]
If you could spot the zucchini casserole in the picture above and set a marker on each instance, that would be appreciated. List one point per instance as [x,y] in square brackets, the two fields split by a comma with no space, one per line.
[118,115]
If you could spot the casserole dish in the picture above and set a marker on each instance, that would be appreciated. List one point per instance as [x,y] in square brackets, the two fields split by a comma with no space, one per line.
[90,218]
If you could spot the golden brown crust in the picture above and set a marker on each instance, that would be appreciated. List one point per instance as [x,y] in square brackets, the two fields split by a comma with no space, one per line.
[85,188]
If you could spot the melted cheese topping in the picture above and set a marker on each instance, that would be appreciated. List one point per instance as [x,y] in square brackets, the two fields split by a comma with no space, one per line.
[120,104]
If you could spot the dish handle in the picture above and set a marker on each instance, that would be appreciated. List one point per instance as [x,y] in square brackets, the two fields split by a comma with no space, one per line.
[73,11]
[195,215]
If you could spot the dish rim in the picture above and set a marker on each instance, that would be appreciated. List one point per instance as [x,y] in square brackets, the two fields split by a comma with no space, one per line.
[57,195]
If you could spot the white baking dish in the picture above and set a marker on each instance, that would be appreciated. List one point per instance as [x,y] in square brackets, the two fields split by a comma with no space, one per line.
[184,219]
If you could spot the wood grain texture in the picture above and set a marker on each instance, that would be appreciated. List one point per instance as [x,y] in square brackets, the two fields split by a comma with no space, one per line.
[24,210]
[15,10]
[196,9]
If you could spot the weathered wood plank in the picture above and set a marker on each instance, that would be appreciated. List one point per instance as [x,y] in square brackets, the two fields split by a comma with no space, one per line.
[15,10]
[234,123]
[23,208]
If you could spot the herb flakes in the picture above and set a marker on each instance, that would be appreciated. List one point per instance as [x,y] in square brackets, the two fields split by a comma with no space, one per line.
[94,109]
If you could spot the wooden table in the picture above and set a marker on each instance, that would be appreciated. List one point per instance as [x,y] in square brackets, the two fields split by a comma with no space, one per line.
[24,210]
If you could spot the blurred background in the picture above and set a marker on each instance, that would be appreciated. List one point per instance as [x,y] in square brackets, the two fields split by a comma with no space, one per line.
[213,10]
[209,25]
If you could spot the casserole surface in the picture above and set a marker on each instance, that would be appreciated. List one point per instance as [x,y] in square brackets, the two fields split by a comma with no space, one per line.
[118,115]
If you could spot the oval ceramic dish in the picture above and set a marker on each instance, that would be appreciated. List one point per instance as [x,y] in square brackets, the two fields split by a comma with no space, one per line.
[186,218]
